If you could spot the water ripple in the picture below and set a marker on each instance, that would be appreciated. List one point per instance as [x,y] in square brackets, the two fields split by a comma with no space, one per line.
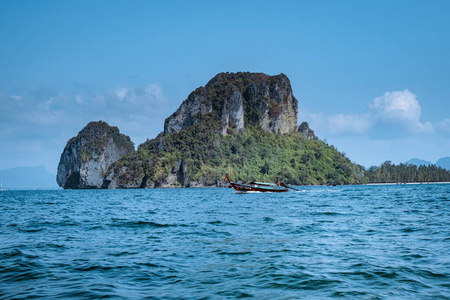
[356,242]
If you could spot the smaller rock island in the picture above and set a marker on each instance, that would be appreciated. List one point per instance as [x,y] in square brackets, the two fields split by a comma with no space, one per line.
[87,157]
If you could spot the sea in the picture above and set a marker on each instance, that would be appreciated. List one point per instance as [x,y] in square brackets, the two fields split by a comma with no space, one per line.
[348,242]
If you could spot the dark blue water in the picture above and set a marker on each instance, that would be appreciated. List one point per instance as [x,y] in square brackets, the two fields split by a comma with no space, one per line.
[357,242]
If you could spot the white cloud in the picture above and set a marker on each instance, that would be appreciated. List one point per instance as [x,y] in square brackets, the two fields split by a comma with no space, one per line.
[398,109]
[349,123]
[401,109]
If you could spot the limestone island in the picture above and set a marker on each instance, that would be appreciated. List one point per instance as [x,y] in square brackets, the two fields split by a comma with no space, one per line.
[243,124]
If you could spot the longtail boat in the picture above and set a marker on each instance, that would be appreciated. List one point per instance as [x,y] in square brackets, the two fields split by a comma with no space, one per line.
[261,187]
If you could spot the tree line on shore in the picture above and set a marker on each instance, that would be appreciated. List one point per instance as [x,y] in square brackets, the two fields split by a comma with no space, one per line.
[404,173]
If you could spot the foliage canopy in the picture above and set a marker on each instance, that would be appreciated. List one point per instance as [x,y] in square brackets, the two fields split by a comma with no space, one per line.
[250,155]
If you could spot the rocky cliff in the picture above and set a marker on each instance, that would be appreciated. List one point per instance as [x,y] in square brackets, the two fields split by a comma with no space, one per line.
[87,157]
[242,124]
[240,100]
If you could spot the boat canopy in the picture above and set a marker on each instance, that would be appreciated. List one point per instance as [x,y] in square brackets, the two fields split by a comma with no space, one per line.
[263,183]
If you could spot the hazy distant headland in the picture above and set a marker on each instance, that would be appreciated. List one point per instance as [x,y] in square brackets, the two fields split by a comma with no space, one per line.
[243,124]
[26,178]
[443,162]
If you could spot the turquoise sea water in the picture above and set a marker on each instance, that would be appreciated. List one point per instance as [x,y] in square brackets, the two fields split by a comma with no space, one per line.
[356,242]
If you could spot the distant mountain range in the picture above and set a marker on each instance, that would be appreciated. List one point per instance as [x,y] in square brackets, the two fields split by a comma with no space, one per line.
[27,178]
[442,162]
[418,162]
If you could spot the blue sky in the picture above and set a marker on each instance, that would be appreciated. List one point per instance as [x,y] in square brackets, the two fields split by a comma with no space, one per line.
[371,77]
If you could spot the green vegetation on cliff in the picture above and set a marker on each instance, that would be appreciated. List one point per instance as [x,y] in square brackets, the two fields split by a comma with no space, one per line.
[201,155]
[95,137]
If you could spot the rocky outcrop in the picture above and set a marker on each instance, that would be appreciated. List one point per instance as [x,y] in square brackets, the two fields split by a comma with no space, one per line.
[87,157]
[187,113]
[232,113]
[199,143]
[240,100]
[307,132]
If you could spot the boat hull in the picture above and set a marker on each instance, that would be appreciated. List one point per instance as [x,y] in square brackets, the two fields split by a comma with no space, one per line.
[245,188]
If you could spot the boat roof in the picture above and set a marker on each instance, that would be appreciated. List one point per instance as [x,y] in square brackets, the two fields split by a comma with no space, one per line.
[261,187]
[263,183]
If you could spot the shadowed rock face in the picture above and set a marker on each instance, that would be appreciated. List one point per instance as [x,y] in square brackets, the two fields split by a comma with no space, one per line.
[240,100]
[87,157]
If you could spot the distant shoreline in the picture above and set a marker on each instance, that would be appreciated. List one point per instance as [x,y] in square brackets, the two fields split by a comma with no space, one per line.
[202,187]
[400,183]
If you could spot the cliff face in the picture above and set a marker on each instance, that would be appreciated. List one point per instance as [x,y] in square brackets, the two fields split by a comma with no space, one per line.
[87,157]
[239,100]
[230,126]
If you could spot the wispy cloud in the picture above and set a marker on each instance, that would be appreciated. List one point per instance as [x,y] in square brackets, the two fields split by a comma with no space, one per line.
[350,123]
[398,109]
[340,123]
[49,107]
[47,117]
